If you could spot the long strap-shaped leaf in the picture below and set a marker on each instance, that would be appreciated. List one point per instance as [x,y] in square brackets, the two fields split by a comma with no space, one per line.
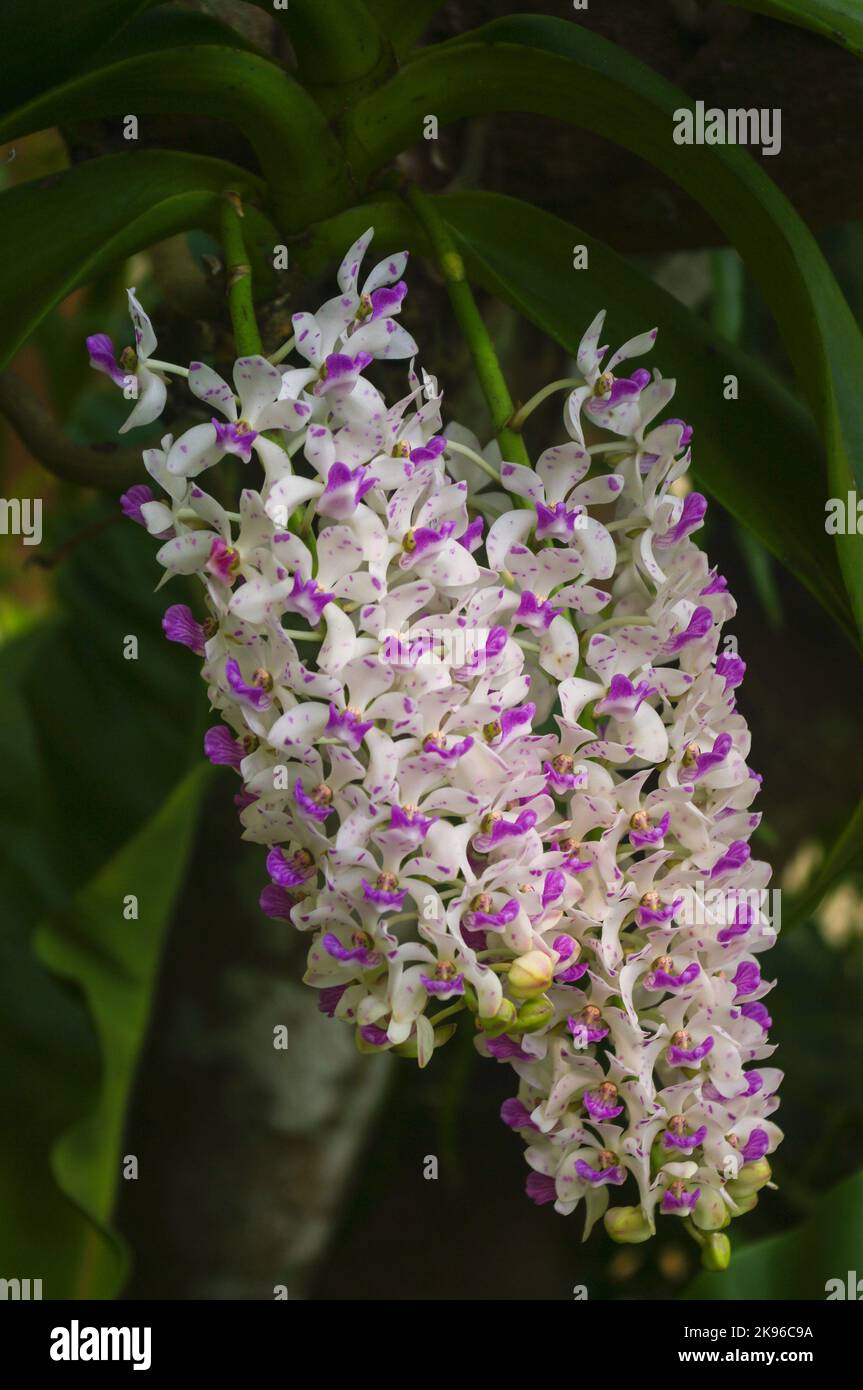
[43,43]
[295,146]
[839,20]
[555,68]
[73,226]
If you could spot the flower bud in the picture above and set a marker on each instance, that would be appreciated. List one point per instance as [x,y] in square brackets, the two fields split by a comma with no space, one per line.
[533,1015]
[716,1252]
[502,1021]
[710,1212]
[530,974]
[751,1178]
[627,1225]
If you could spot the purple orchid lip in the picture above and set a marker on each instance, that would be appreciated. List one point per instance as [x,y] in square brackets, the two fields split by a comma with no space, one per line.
[235,437]
[505,1049]
[623,699]
[755,1147]
[428,452]
[288,873]
[507,914]
[506,829]
[308,599]
[732,668]
[540,1188]
[599,1109]
[684,1202]
[316,810]
[757,1013]
[660,979]
[384,897]
[706,762]
[179,624]
[555,523]
[600,1177]
[479,659]
[685,1056]
[739,927]
[253,695]
[348,726]
[345,489]
[717,584]
[443,989]
[387,300]
[686,1142]
[554,886]
[584,1033]
[276,902]
[686,431]
[101,350]
[735,857]
[412,822]
[639,839]
[222,561]
[421,542]
[697,628]
[340,371]
[363,955]
[511,721]
[655,916]
[694,509]
[133,499]
[371,1033]
[563,781]
[746,978]
[222,747]
[516,1115]
[329,999]
[535,615]
[451,754]
[571,973]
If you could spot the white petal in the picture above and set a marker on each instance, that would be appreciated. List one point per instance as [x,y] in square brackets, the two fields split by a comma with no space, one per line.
[383,338]
[152,394]
[257,383]
[212,389]
[194,451]
[145,338]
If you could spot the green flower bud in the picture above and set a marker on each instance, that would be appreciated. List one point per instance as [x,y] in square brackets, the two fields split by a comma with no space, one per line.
[502,1021]
[751,1178]
[710,1212]
[533,1015]
[530,974]
[627,1225]
[716,1252]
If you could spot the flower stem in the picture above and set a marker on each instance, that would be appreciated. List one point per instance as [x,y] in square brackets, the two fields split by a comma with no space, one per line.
[470,321]
[567,383]
[247,339]
[281,353]
[446,1013]
[454,448]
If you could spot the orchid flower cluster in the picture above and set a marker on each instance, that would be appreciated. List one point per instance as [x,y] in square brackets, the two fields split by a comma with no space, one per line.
[486,736]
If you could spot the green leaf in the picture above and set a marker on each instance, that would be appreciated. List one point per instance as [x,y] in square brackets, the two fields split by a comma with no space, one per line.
[556,68]
[91,745]
[403,24]
[166,27]
[800,1263]
[50,41]
[839,20]
[524,256]
[114,963]
[79,223]
[291,137]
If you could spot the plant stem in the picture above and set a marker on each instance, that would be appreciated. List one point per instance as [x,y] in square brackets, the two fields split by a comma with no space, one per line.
[281,353]
[470,321]
[564,384]
[247,339]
